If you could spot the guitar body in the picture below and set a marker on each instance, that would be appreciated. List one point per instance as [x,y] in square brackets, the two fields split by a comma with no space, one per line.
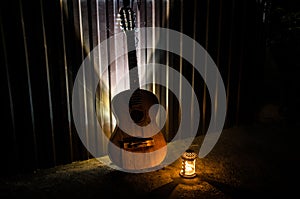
[140,151]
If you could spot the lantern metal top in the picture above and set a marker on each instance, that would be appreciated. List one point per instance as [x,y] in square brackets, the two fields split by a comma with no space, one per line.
[189,155]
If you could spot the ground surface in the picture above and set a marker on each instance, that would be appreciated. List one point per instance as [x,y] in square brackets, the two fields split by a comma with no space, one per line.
[247,162]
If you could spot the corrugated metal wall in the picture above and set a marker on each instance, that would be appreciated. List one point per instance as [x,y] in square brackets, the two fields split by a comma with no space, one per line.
[43,44]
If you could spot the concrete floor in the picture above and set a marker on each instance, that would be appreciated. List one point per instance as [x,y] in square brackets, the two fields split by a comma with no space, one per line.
[247,162]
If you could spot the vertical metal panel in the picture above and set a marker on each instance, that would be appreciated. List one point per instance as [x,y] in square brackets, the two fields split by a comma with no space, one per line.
[27,64]
[229,60]
[10,136]
[63,14]
[103,100]
[48,84]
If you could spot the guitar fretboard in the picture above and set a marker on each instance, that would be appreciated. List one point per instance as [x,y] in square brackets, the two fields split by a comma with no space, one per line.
[132,59]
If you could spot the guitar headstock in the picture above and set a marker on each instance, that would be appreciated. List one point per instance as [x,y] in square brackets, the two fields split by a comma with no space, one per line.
[127,19]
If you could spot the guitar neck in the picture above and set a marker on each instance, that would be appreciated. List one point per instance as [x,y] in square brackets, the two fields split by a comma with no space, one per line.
[132,59]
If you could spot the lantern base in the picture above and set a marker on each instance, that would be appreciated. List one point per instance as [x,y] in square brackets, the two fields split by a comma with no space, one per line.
[187,176]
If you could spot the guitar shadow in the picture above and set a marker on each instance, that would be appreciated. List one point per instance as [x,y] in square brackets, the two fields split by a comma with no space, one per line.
[164,191]
[230,191]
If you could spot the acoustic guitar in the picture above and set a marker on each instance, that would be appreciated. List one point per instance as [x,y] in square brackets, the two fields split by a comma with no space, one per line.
[142,148]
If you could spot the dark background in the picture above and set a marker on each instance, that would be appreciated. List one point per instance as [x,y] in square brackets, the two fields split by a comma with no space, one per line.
[255,44]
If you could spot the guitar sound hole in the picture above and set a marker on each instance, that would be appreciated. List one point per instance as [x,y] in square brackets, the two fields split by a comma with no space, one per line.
[137,116]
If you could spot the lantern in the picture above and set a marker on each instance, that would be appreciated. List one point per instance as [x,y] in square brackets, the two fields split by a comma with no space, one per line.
[188,165]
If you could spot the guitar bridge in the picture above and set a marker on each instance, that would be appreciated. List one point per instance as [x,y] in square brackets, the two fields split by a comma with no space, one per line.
[137,143]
